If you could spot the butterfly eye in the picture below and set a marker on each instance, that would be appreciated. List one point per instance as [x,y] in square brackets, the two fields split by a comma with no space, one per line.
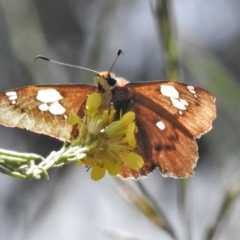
[111,82]
[105,82]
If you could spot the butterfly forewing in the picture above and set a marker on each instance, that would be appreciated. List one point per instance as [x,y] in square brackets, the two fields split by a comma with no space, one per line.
[44,108]
[192,107]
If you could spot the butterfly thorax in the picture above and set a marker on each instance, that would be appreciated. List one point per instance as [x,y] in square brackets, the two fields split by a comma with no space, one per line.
[121,99]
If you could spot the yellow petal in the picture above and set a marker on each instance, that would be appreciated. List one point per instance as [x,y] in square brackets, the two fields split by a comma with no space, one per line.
[133,160]
[94,100]
[73,118]
[104,116]
[111,155]
[113,128]
[113,168]
[97,172]
[127,118]
[130,136]
[80,163]
[111,115]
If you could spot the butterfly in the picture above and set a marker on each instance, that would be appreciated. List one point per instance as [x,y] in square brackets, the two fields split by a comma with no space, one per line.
[169,116]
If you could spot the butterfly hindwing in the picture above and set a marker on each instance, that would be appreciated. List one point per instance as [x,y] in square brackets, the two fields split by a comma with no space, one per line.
[164,145]
[43,108]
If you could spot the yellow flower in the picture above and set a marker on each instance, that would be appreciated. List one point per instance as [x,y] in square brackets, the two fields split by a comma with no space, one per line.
[93,103]
[133,160]
[105,145]
[97,172]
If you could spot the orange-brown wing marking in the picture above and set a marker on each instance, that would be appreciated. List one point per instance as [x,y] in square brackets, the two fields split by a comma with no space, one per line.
[43,108]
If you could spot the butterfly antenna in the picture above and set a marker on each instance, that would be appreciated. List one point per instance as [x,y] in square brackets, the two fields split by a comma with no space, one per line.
[118,54]
[64,64]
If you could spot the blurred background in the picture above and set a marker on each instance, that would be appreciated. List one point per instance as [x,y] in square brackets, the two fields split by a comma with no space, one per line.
[89,34]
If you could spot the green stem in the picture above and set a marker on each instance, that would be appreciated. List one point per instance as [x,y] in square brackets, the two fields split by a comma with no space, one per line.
[31,166]
[169,42]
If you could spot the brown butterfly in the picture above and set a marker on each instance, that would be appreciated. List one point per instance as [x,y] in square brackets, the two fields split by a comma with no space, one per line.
[169,116]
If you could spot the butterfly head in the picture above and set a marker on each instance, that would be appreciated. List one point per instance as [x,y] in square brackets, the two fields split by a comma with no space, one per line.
[105,81]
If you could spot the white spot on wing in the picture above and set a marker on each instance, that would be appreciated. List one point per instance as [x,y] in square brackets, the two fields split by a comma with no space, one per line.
[49,95]
[184,102]
[169,91]
[9,94]
[160,125]
[178,104]
[174,95]
[43,107]
[56,108]
[191,89]
[12,96]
